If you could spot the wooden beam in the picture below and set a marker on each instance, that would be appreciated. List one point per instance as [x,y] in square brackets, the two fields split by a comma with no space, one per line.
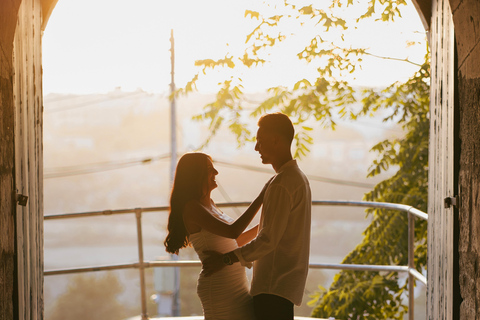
[28,105]
[8,23]
[47,9]
[441,165]
[424,9]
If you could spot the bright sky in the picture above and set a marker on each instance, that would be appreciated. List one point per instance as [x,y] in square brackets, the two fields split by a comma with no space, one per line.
[97,45]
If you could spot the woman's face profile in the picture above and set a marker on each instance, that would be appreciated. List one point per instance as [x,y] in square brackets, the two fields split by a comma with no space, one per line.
[211,174]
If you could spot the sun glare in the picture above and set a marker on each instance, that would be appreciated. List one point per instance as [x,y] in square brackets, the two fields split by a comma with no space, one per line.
[98,45]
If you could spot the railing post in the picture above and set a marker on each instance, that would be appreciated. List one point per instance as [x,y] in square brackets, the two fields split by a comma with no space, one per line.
[411,265]
[141,266]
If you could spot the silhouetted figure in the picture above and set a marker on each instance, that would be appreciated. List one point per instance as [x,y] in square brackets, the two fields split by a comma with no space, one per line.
[195,219]
[282,246]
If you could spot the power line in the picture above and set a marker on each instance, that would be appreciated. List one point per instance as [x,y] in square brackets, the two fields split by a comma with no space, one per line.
[68,171]
[62,98]
[92,102]
[227,197]
[310,177]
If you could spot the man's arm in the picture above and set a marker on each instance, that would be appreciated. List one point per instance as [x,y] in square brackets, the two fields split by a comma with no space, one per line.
[275,215]
[217,261]
[275,220]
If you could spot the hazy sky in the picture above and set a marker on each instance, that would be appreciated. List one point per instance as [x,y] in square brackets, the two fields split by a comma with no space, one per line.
[98,45]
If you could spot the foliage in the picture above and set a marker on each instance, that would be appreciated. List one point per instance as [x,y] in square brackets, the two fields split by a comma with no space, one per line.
[89,297]
[320,98]
[374,295]
[353,294]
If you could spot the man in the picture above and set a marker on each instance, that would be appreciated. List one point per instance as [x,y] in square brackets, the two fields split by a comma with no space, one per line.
[281,248]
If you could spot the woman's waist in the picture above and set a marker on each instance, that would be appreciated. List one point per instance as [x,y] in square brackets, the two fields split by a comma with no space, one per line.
[203,252]
[223,246]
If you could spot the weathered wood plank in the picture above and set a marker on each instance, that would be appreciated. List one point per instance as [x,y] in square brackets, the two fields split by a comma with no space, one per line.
[441,162]
[8,23]
[28,159]
[7,188]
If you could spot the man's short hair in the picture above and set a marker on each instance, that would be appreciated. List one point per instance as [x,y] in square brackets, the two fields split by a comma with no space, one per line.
[278,123]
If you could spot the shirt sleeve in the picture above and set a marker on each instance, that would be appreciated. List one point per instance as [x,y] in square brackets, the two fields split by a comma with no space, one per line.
[276,212]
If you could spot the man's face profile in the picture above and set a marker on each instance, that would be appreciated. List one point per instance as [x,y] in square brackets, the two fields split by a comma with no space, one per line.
[265,145]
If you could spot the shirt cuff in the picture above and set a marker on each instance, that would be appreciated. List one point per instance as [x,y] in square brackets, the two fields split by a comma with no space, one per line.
[238,253]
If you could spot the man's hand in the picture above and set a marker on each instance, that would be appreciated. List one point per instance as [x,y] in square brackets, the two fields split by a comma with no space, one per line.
[213,263]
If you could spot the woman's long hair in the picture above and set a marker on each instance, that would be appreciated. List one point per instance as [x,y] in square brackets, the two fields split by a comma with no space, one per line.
[188,184]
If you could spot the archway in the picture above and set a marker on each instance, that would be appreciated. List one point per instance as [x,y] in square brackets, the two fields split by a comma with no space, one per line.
[465,17]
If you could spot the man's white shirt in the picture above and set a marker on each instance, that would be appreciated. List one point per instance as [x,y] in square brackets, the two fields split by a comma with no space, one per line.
[281,249]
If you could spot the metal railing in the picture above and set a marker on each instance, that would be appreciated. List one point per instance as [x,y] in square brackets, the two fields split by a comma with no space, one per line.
[142,265]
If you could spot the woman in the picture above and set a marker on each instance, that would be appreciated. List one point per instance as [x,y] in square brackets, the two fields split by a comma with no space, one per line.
[195,219]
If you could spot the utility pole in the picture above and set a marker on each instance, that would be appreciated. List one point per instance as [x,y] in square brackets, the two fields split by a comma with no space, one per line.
[173,116]
[173,163]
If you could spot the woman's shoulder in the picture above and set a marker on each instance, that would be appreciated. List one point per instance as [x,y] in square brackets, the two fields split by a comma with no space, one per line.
[195,210]
[191,216]
[192,205]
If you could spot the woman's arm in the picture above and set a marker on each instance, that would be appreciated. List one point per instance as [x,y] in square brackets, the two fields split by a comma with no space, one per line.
[194,213]
[247,236]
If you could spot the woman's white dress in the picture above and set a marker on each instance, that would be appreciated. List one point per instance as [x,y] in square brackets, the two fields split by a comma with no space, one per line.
[225,294]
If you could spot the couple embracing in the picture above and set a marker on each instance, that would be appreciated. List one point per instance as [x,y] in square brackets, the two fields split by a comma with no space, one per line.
[278,247]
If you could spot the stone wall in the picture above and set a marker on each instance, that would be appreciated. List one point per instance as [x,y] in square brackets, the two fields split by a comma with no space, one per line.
[466,17]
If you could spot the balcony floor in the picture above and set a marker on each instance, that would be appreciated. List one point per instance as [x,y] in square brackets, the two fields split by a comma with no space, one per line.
[201,318]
